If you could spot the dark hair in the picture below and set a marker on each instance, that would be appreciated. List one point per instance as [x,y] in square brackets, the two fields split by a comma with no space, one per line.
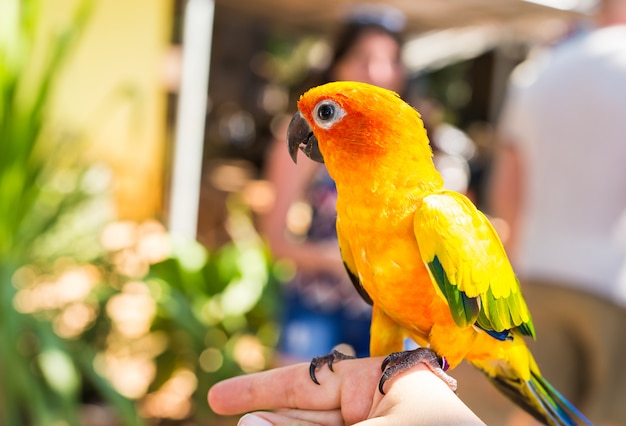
[386,21]
[352,31]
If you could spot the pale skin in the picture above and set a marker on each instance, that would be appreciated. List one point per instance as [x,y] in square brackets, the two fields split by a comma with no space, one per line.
[349,395]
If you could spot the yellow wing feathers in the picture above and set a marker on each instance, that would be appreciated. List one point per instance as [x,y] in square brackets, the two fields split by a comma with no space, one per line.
[468,264]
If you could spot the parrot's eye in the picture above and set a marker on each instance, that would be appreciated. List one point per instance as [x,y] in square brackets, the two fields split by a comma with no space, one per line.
[327,113]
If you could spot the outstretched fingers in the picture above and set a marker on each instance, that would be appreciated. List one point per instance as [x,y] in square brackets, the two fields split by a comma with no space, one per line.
[292,388]
[347,396]
[280,388]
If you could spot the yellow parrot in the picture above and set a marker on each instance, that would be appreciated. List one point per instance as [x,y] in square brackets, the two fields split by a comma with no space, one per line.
[427,260]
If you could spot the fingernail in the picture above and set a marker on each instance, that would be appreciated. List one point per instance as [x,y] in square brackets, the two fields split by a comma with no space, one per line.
[252,420]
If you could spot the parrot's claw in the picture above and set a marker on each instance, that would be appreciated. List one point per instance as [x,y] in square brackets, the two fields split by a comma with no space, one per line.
[329,360]
[401,361]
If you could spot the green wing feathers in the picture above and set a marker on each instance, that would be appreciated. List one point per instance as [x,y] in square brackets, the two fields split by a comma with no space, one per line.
[464,309]
[469,265]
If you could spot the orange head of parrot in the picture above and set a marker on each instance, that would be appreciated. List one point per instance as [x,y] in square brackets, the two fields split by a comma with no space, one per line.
[343,122]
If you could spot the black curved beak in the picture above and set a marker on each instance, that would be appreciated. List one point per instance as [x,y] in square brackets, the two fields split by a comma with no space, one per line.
[300,135]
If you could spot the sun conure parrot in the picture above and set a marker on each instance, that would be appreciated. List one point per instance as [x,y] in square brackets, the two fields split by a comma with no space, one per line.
[427,260]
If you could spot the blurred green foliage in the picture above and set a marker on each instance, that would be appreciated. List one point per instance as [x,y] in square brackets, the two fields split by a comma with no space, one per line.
[40,183]
[124,317]
[185,316]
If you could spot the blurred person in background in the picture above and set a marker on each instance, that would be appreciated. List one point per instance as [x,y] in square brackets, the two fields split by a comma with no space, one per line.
[321,308]
[559,182]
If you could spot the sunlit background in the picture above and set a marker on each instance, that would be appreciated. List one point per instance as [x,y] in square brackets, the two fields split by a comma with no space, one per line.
[132,276]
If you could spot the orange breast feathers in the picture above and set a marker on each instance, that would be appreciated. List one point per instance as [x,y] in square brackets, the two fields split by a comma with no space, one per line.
[381,246]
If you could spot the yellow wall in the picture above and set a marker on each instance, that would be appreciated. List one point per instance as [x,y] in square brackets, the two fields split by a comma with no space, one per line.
[113,85]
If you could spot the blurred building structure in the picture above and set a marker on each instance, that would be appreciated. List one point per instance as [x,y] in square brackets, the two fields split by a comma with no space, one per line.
[129,62]
[114,83]
[462,51]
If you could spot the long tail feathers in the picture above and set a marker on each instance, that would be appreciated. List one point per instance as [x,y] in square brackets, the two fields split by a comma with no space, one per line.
[540,399]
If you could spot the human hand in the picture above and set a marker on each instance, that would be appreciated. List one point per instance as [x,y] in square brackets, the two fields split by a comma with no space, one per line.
[349,395]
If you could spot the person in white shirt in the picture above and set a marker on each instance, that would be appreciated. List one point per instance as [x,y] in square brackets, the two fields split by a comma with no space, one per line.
[559,182]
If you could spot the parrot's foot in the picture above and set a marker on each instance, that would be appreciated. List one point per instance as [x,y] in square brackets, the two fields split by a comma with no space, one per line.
[329,360]
[401,361]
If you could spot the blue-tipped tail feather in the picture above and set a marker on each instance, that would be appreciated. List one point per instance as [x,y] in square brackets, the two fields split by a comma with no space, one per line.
[540,399]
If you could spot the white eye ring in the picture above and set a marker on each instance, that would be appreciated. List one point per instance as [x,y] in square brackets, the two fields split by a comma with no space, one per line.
[326,113]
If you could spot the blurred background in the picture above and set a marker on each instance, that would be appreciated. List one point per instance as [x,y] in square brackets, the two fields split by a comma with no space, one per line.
[132,143]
